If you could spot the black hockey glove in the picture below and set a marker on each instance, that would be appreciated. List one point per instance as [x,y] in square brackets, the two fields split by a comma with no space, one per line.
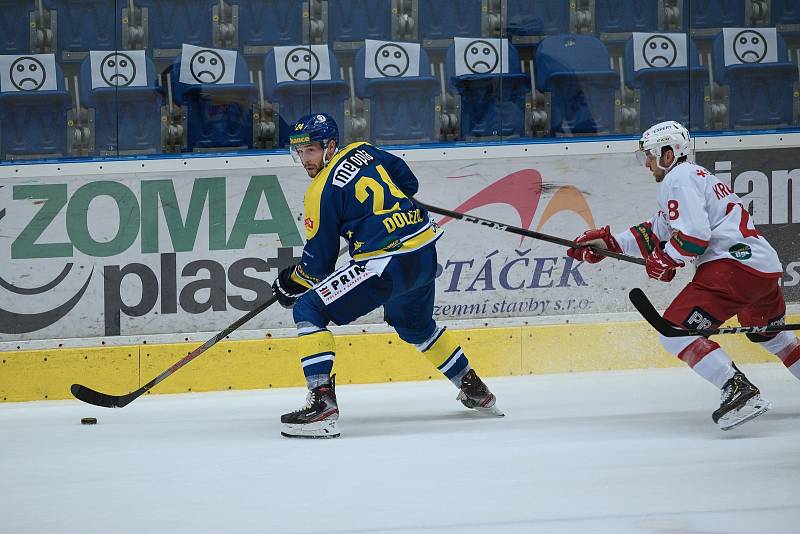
[287,290]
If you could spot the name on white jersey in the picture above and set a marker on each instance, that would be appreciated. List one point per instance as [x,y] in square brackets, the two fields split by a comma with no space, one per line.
[348,167]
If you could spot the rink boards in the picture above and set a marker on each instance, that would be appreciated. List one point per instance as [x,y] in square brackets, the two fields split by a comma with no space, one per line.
[108,266]
[361,358]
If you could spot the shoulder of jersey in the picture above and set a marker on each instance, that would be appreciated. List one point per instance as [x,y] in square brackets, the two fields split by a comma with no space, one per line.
[347,163]
[353,146]
[348,150]
[688,171]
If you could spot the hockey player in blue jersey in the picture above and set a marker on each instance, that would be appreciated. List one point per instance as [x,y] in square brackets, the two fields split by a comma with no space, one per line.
[362,194]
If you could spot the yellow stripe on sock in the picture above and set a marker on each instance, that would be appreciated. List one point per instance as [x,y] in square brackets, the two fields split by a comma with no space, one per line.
[316,343]
[442,349]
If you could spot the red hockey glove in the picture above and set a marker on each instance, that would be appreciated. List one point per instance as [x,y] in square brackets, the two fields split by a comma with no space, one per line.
[600,238]
[660,266]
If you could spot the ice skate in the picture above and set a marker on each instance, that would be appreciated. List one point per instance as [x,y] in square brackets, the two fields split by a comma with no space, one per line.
[741,402]
[475,395]
[317,419]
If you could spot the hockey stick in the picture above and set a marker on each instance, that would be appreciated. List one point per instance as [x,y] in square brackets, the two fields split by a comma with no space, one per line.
[526,233]
[104,400]
[667,329]
[91,396]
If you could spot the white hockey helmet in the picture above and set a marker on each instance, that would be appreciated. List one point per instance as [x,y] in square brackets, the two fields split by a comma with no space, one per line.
[667,133]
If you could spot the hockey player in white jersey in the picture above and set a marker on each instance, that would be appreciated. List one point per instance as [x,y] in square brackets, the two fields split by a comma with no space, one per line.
[701,221]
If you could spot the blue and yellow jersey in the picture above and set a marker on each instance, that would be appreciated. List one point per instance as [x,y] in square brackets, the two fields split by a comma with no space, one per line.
[362,195]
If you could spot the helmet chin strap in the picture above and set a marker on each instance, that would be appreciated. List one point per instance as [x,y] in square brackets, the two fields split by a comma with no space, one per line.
[658,164]
[667,169]
[325,158]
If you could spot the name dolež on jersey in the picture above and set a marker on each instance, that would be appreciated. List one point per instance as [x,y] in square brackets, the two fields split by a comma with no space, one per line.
[401,219]
[348,167]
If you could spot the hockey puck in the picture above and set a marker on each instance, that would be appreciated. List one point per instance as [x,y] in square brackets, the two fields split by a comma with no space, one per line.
[88,420]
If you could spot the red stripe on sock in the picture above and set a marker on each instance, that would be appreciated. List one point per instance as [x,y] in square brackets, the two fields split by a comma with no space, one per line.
[791,354]
[697,350]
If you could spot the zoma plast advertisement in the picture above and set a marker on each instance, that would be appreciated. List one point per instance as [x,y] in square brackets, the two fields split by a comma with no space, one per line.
[138,253]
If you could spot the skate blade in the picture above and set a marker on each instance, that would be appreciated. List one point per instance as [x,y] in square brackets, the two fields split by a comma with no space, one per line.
[752,409]
[325,429]
[492,411]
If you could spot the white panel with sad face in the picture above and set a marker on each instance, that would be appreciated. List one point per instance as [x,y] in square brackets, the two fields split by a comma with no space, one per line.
[387,59]
[207,65]
[302,63]
[750,45]
[659,50]
[481,56]
[118,68]
[26,73]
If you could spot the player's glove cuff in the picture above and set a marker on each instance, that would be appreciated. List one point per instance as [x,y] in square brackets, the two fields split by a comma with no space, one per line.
[286,290]
[598,235]
[660,265]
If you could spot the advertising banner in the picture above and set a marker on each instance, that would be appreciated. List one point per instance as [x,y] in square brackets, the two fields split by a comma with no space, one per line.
[768,180]
[129,254]
[141,253]
[487,273]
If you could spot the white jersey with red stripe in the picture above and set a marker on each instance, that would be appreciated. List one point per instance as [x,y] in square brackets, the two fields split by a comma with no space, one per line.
[702,220]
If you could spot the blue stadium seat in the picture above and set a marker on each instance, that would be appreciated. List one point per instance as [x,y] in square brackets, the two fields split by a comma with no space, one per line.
[492,104]
[173,23]
[575,70]
[218,115]
[444,20]
[294,98]
[357,20]
[786,15]
[265,23]
[402,108]
[760,93]
[667,92]
[33,124]
[625,16]
[84,25]
[126,117]
[536,17]
[15,26]
[713,14]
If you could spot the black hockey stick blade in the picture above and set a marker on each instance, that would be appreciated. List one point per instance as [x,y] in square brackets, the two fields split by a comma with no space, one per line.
[90,396]
[651,315]
[667,329]
[104,400]
[524,232]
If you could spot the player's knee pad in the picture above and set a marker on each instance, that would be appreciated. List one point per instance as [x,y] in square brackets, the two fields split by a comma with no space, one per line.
[309,309]
[778,342]
[417,334]
[676,345]
[759,338]
[763,338]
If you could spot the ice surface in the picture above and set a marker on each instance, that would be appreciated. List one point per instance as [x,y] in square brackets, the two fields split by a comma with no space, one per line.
[617,452]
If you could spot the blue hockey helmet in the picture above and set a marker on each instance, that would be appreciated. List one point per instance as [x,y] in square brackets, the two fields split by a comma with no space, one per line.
[314,128]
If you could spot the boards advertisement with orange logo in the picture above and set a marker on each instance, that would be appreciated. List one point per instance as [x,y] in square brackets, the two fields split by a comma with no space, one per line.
[123,252]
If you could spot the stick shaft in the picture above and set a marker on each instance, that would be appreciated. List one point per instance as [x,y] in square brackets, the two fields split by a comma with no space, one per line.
[524,232]
[91,396]
[210,343]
